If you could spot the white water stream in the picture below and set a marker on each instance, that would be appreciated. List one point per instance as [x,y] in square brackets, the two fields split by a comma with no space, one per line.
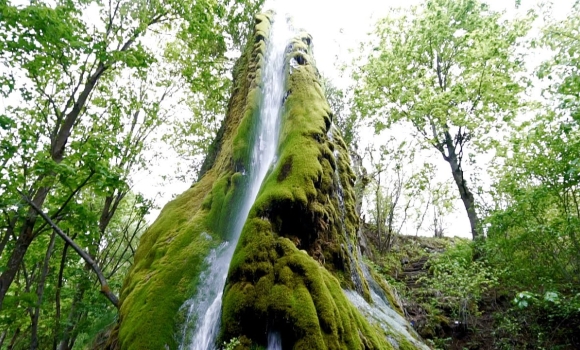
[204,309]
[380,310]
[274,341]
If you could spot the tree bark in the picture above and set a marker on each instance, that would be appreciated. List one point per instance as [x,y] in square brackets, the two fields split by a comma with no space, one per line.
[57,151]
[86,257]
[453,159]
[78,297]
[22,243]
[57,327]
[9,233]
[69,335]
[2,337]
[465,193]
[58,146]
[14,339]
[378,207]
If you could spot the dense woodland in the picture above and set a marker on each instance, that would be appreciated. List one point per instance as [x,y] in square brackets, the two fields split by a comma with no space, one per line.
[95,92]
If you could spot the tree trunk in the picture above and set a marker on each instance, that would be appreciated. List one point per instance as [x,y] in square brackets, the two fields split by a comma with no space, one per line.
[2,337]
[14,339]
[454,161]
[22,243]
[105,290]
[9,233]
[464,192]
[40,293]
[78,297]
[57,328]
[57,151]
[378,207]
[69,335]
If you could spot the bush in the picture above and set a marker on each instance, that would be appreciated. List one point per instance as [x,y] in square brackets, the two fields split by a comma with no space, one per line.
[457,282]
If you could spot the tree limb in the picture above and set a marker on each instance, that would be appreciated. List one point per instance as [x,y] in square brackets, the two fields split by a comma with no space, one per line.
[86,257]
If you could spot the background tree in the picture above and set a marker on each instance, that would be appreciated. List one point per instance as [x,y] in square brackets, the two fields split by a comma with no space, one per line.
[344,118]
[450,70]
[537,191]
[392,194]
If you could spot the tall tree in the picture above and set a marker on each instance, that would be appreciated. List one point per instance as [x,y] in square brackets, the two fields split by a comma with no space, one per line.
[449,69]
[64,62]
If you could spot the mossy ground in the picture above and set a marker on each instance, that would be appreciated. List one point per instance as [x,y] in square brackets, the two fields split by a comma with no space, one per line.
[406,267]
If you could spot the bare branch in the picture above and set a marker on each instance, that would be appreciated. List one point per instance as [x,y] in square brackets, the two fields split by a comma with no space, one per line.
[86,257]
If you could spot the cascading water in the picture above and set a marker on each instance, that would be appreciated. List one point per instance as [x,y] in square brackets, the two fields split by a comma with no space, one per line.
[274,341]
[203,310]
[355,276]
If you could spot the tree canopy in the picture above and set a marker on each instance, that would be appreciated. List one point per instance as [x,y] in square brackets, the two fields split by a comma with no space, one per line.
[449,69]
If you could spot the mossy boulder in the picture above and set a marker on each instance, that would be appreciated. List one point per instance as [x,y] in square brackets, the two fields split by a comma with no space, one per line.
[297,252]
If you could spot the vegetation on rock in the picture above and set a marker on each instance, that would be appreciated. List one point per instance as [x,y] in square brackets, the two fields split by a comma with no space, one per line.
[297,251]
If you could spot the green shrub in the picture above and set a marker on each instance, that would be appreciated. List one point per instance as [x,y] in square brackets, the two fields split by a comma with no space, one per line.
[457,282]
[232,344]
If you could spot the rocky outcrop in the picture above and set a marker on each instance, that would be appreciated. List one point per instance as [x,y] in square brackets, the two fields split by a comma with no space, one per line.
[295,254]
[297,251]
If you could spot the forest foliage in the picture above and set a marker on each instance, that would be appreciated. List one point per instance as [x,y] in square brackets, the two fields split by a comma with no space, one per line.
[95,91]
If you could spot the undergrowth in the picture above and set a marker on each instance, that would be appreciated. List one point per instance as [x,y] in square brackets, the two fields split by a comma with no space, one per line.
[464,301]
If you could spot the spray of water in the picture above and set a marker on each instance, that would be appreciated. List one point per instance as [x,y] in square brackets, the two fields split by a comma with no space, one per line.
[203,310]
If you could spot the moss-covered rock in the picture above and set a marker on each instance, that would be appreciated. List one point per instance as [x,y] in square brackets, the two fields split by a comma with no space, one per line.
[296,254]
[297,251]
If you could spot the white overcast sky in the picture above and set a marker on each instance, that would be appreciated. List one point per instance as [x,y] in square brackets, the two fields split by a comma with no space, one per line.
[338,26]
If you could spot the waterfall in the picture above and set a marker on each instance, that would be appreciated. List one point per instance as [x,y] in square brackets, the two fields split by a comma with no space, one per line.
[204,309]
[380,312]
[274,341]
[354,275]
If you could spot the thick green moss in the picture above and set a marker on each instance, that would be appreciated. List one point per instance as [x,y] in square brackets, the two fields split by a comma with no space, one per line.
[158,283]
[282,288]
[296,251]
